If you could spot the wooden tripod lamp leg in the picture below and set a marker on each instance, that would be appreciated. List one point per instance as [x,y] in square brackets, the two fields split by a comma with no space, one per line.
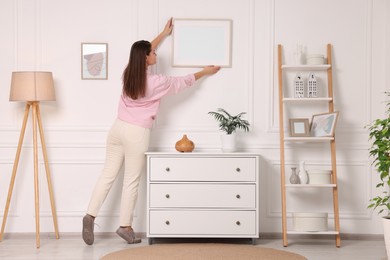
[49,184]
[35,121]
[15,167]
[36,186]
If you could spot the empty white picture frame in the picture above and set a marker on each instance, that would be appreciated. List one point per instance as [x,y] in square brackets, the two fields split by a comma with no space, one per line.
[299,127]
[201,42]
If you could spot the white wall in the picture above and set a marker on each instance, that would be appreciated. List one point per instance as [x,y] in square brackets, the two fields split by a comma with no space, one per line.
[47,35]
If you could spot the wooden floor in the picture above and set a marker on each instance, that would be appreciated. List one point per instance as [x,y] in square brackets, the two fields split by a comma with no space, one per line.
[71,246]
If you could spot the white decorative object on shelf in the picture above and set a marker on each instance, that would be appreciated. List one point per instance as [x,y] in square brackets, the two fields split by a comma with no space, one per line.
[320,176]
[303,176]
[299,88]
[312,86]
[311,222]
[315,59]
[299,54]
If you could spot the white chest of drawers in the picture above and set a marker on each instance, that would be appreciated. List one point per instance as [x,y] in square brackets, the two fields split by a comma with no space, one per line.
[202,195]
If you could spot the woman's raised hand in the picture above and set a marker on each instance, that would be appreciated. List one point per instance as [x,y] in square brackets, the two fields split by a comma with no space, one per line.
[167,31]
[208,70]
[168,27]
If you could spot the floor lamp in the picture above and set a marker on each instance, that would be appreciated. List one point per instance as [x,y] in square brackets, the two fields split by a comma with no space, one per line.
[32,87]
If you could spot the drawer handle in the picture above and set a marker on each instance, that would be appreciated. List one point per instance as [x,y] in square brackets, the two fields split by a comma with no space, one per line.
[167,169]
[238,196]
[238,169]
[238,223]
[167,196]
[167,223]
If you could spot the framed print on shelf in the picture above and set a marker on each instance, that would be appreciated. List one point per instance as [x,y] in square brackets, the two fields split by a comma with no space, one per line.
[299,127]
[201,42]
[94,57]
[323,124]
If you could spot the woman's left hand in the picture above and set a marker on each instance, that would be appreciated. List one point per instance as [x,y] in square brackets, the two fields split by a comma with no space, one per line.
[167,31]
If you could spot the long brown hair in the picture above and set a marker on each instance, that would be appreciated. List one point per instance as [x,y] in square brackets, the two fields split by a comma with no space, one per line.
[134,76]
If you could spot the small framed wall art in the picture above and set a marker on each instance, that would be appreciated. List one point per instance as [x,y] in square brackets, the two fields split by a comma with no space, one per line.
[299,127]
[324,124]
[94,57]
[202,42]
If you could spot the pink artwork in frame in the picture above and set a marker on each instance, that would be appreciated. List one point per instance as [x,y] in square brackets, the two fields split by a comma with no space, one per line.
[94,58]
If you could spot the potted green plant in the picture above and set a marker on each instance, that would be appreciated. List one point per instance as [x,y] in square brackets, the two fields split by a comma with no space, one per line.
[229,124]
[379,134]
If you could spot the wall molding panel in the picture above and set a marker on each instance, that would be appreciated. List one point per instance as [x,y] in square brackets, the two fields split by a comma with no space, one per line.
[76,125]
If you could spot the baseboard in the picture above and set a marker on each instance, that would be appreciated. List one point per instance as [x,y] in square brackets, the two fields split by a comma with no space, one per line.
[73,235]
[64,235]
[343,236]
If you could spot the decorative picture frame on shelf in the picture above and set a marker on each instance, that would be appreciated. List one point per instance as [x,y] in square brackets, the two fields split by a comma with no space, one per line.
[324,124]
[299,127]
[201,42]
[94,61]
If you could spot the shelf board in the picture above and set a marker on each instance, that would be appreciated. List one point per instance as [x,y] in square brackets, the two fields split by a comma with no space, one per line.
[306,67]
[310,185]
[318,99]
[308,139]
[313,232]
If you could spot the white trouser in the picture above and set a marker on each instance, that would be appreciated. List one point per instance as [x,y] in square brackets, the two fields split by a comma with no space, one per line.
[129,143]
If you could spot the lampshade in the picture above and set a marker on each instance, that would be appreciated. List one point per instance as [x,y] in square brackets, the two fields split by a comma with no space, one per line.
[32,86]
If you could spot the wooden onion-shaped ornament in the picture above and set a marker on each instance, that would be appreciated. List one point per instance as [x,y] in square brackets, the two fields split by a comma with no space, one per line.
[185,145]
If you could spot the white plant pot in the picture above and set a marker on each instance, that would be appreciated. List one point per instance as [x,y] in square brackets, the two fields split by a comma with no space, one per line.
[228,143]
[386,233]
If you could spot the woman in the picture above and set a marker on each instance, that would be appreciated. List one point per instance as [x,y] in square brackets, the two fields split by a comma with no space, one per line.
[128,138]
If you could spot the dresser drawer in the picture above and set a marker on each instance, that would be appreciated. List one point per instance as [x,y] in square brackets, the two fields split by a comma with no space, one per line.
[203,169]
[205,195]
[202,222]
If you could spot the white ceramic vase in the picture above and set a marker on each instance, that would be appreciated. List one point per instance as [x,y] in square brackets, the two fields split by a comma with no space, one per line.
[303,176]
[228,143]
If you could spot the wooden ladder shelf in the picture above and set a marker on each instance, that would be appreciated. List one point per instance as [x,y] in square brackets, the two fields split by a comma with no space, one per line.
[332,141]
